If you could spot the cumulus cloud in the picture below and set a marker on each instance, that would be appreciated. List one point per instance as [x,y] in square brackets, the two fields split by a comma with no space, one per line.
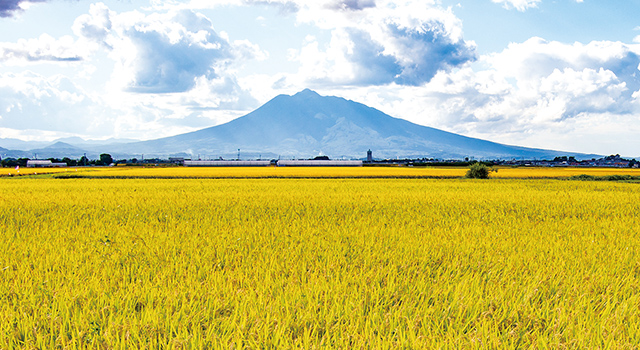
[536,58]
[31,101]
[421,52]
[9,7]
[537,93]
[162,52]
[57,106]
[91,29]
[96,25]
[155,53]
[373,42]
[377,43]
[44,48]
[172,73]
[169,59]
[572,97]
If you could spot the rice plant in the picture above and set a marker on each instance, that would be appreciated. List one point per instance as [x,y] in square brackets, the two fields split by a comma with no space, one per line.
[310,263]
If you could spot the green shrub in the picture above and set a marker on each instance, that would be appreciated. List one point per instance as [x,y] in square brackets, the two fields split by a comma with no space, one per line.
[478,171]
[583,177]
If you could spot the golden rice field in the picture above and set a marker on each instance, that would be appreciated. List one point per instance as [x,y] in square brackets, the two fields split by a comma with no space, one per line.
[348,263]
[312,172]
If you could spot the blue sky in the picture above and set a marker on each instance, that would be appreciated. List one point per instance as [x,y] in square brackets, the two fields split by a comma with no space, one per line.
[557,74]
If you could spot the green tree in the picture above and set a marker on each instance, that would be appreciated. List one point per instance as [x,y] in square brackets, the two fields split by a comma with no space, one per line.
[478,171]
[105,159]
[9,162]
[69,161]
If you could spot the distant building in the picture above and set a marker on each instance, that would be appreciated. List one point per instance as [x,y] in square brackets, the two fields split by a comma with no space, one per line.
[303,163]
[369,156]
[258,163]
[225,163]
[44,164]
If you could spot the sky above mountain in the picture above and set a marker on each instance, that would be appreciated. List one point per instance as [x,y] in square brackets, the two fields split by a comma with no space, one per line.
[556,74]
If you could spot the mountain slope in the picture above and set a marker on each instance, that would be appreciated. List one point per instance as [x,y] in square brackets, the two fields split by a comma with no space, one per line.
[307,124]
[59,150]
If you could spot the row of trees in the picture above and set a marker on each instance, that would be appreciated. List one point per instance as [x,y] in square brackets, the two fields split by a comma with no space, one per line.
[105,159]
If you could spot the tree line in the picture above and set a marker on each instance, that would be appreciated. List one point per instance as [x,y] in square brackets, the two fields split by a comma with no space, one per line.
[104,160]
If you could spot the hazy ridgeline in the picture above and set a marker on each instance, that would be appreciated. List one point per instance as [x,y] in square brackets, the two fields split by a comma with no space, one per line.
[344,263]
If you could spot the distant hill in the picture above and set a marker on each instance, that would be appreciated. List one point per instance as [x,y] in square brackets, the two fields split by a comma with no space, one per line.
[72,147]
[16,144]
[59,150]
[80,142]
[307,124]
[8,153]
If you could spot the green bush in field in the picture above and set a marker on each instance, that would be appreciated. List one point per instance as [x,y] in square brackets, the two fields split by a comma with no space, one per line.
[478,171]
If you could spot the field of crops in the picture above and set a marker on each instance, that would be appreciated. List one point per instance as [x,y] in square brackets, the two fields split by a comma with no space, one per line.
[309,263]
[312,172]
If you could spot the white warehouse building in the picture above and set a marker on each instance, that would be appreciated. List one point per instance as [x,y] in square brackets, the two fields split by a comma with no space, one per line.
[302,162]
[44,164]
[229,163]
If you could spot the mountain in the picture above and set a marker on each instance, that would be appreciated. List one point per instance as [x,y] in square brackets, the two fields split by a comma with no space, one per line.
[16,144]
[80,142]
[307,124]
[72,147]
[8,153]
[59,150]
[56,150]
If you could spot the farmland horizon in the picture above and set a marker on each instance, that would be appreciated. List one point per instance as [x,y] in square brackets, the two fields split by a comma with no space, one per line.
[173,257]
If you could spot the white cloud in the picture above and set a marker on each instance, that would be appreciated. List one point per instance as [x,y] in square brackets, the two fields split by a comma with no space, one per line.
[536,58]
[58,107]
[9,7]
[44,48]
[96,25]
[537,94]
[572,97]
[30,101]
[173,73]
[373,42]
[520,5]
[377,43]
[161,53]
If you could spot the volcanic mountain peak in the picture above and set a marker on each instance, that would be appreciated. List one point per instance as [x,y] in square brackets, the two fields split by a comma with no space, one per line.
[307,124]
